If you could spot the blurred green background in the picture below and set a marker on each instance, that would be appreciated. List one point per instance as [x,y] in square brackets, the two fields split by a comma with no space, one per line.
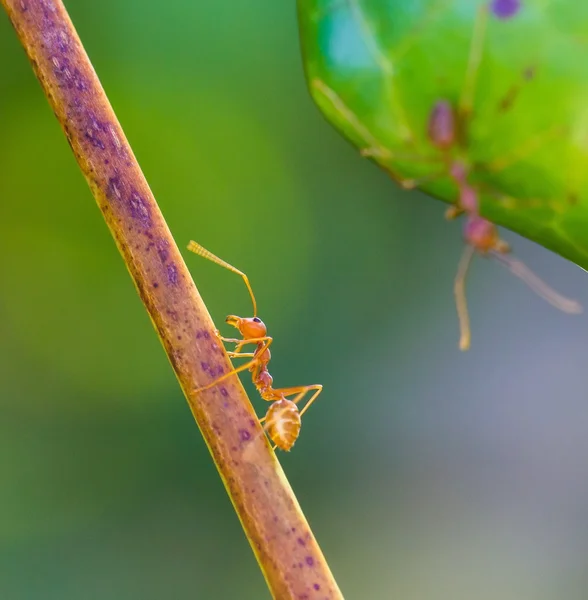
[426,473]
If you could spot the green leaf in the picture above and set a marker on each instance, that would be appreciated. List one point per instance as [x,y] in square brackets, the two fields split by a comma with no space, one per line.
[376,68]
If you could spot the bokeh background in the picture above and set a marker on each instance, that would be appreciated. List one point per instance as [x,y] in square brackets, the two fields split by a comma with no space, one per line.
[426,473]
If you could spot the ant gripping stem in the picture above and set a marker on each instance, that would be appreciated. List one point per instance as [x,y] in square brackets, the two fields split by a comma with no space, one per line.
[198,249]
[283,418]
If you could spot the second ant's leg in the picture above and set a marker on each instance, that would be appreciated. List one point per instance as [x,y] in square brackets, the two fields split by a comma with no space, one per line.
[527,148]
[543,290]
[268,340]
[466,101]
[460,297]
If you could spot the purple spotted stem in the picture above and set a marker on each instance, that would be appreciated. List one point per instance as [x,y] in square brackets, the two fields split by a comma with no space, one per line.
[282,541]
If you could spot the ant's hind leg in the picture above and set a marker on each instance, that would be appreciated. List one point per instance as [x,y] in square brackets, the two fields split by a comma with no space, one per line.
[301,391]
[318,389]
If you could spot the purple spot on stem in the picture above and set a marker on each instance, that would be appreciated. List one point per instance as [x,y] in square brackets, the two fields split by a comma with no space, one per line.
[115,188]
[69,76]
[172,274]
[317,587]
[23,6]
[162,249]
[224,392]
[155,284]
[139,209]
[204,366]
[301,542]
[505,9]
[94,140]
[309,561]
[245,435]
[94,129]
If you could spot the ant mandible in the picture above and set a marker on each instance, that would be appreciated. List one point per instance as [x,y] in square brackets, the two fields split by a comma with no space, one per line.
[283,418]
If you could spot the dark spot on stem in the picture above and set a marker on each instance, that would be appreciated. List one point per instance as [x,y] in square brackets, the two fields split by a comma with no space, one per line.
[69,77]
[94,129]
[224,391]
[317,587]
[204,366]
[309,561]
[245,435]
[115,188]
[163,249]
[139,209]
[172,274]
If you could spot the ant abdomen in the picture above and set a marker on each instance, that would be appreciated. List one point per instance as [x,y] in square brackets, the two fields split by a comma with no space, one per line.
[282,423]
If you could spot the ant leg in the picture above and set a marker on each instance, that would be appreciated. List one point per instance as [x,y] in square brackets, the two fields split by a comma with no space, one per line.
[318,390]
[267,343]
[518,268]
[460,297]
[524,150]
[372,146]
[230,340]
[466,101]
[301,391]
[453,212]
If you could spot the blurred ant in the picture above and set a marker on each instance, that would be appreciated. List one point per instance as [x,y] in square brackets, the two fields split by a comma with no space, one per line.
[447,132]
[480,235]
[283,418]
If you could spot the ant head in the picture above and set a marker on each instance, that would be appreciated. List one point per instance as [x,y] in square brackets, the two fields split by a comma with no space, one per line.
[483,235]
[250,327]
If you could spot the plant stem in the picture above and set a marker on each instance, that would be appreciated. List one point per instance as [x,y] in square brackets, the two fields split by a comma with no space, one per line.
[282,541]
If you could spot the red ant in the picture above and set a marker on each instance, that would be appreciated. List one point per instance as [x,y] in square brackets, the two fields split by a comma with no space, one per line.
[283,418]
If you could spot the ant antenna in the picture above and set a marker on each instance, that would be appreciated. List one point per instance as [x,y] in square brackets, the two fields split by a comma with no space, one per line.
[460,297]
[518,268]
[198,249]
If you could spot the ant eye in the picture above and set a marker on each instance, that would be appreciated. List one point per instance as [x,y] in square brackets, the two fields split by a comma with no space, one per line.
[256,320]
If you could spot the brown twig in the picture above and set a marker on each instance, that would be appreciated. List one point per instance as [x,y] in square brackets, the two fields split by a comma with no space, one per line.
[289,556]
